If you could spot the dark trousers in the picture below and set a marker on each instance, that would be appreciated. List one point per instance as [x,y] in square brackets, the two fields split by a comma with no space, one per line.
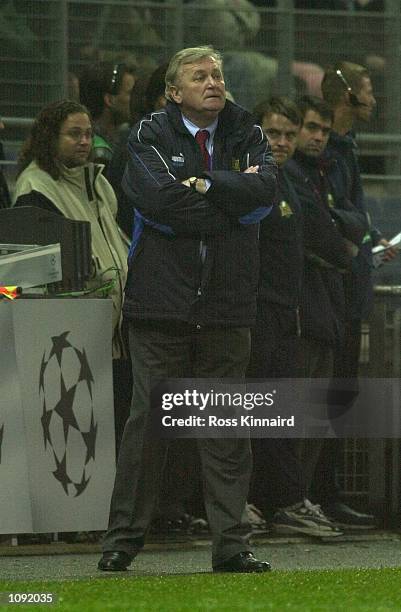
[181,488]
[277,479]
[161,352]
[325,487]
[122,392]
[317,359]
[122,389]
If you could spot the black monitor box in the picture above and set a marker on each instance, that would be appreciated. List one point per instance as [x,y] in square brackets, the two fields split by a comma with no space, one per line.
[31,225]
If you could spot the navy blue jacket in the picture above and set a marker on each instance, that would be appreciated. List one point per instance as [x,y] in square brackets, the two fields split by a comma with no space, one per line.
[281,249]
[358,285]
[194,258]
[327,257]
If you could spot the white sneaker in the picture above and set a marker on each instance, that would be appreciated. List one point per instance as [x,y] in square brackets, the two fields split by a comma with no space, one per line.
[306,518]
[253,517]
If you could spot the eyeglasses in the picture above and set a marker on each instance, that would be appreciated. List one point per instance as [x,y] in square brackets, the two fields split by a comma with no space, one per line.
[77,135]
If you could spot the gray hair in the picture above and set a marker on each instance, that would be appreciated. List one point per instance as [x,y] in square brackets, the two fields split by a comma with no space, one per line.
[187,56]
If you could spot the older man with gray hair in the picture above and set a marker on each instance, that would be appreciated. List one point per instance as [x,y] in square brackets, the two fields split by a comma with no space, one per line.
[200,176]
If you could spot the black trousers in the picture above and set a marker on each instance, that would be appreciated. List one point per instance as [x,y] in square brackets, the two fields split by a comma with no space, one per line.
[315,453]
[122,392]
[324,487]
[160,352]
[277,478]
[122,389]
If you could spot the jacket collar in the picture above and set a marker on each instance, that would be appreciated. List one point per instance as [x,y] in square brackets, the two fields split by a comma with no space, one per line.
[232,118]
[343,140]
[323,162]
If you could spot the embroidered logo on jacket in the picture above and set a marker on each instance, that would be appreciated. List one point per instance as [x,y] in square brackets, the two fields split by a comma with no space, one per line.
[285,209]
[177,159]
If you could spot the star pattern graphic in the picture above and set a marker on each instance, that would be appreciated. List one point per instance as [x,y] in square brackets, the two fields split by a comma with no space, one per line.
[85,373]
[90,440]
[64,407]
[59,344]
[81,486]
[60,473]
[42,373]
[45,420]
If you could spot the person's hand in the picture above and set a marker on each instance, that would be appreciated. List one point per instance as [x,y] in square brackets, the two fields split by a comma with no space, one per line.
[252,169]
[352,249]
[391,252]
[199,184]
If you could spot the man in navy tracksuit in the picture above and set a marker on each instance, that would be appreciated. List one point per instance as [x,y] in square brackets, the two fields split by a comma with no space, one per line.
[349,106]
[201,176]
[278,484]
[348,89]
[323,184]
[303,257]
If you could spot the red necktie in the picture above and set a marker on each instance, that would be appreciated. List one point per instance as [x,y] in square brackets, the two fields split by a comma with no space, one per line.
[201,137]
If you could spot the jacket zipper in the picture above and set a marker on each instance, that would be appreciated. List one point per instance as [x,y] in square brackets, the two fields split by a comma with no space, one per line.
[91,193]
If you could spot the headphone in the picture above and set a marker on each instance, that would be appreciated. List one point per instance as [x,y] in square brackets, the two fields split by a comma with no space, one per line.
[352,97]
[116,76]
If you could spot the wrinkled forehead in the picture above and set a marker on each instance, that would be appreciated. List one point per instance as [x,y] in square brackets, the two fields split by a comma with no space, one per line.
[208,62]
[278,121]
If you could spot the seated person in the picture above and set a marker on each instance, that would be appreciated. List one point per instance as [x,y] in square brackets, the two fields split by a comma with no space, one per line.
[105,89]
[54,174]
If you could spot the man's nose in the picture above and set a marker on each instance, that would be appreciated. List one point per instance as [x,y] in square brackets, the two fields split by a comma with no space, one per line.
[319,135]
[85,137]
[212,80]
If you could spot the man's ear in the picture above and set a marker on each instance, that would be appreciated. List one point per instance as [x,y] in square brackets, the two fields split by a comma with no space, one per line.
[175,94]
[108,100]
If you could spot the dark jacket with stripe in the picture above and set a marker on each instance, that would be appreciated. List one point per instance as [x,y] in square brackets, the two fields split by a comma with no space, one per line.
[359,285]
[275,336]
[323,192]
[281,249]
[194,258]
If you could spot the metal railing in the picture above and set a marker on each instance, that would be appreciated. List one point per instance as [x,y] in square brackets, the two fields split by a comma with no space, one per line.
[382,359]
[266,51]
[43,40]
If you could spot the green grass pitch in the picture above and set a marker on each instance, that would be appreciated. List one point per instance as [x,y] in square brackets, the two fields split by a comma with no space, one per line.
[375,590]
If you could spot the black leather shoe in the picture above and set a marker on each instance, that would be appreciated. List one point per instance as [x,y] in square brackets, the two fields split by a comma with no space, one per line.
[244,562]
[115,561]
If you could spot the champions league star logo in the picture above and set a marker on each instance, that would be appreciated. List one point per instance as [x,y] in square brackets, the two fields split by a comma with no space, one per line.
[68,422]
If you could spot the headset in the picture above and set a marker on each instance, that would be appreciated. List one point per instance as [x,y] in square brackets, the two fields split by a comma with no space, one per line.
[116,77]
[352,97]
